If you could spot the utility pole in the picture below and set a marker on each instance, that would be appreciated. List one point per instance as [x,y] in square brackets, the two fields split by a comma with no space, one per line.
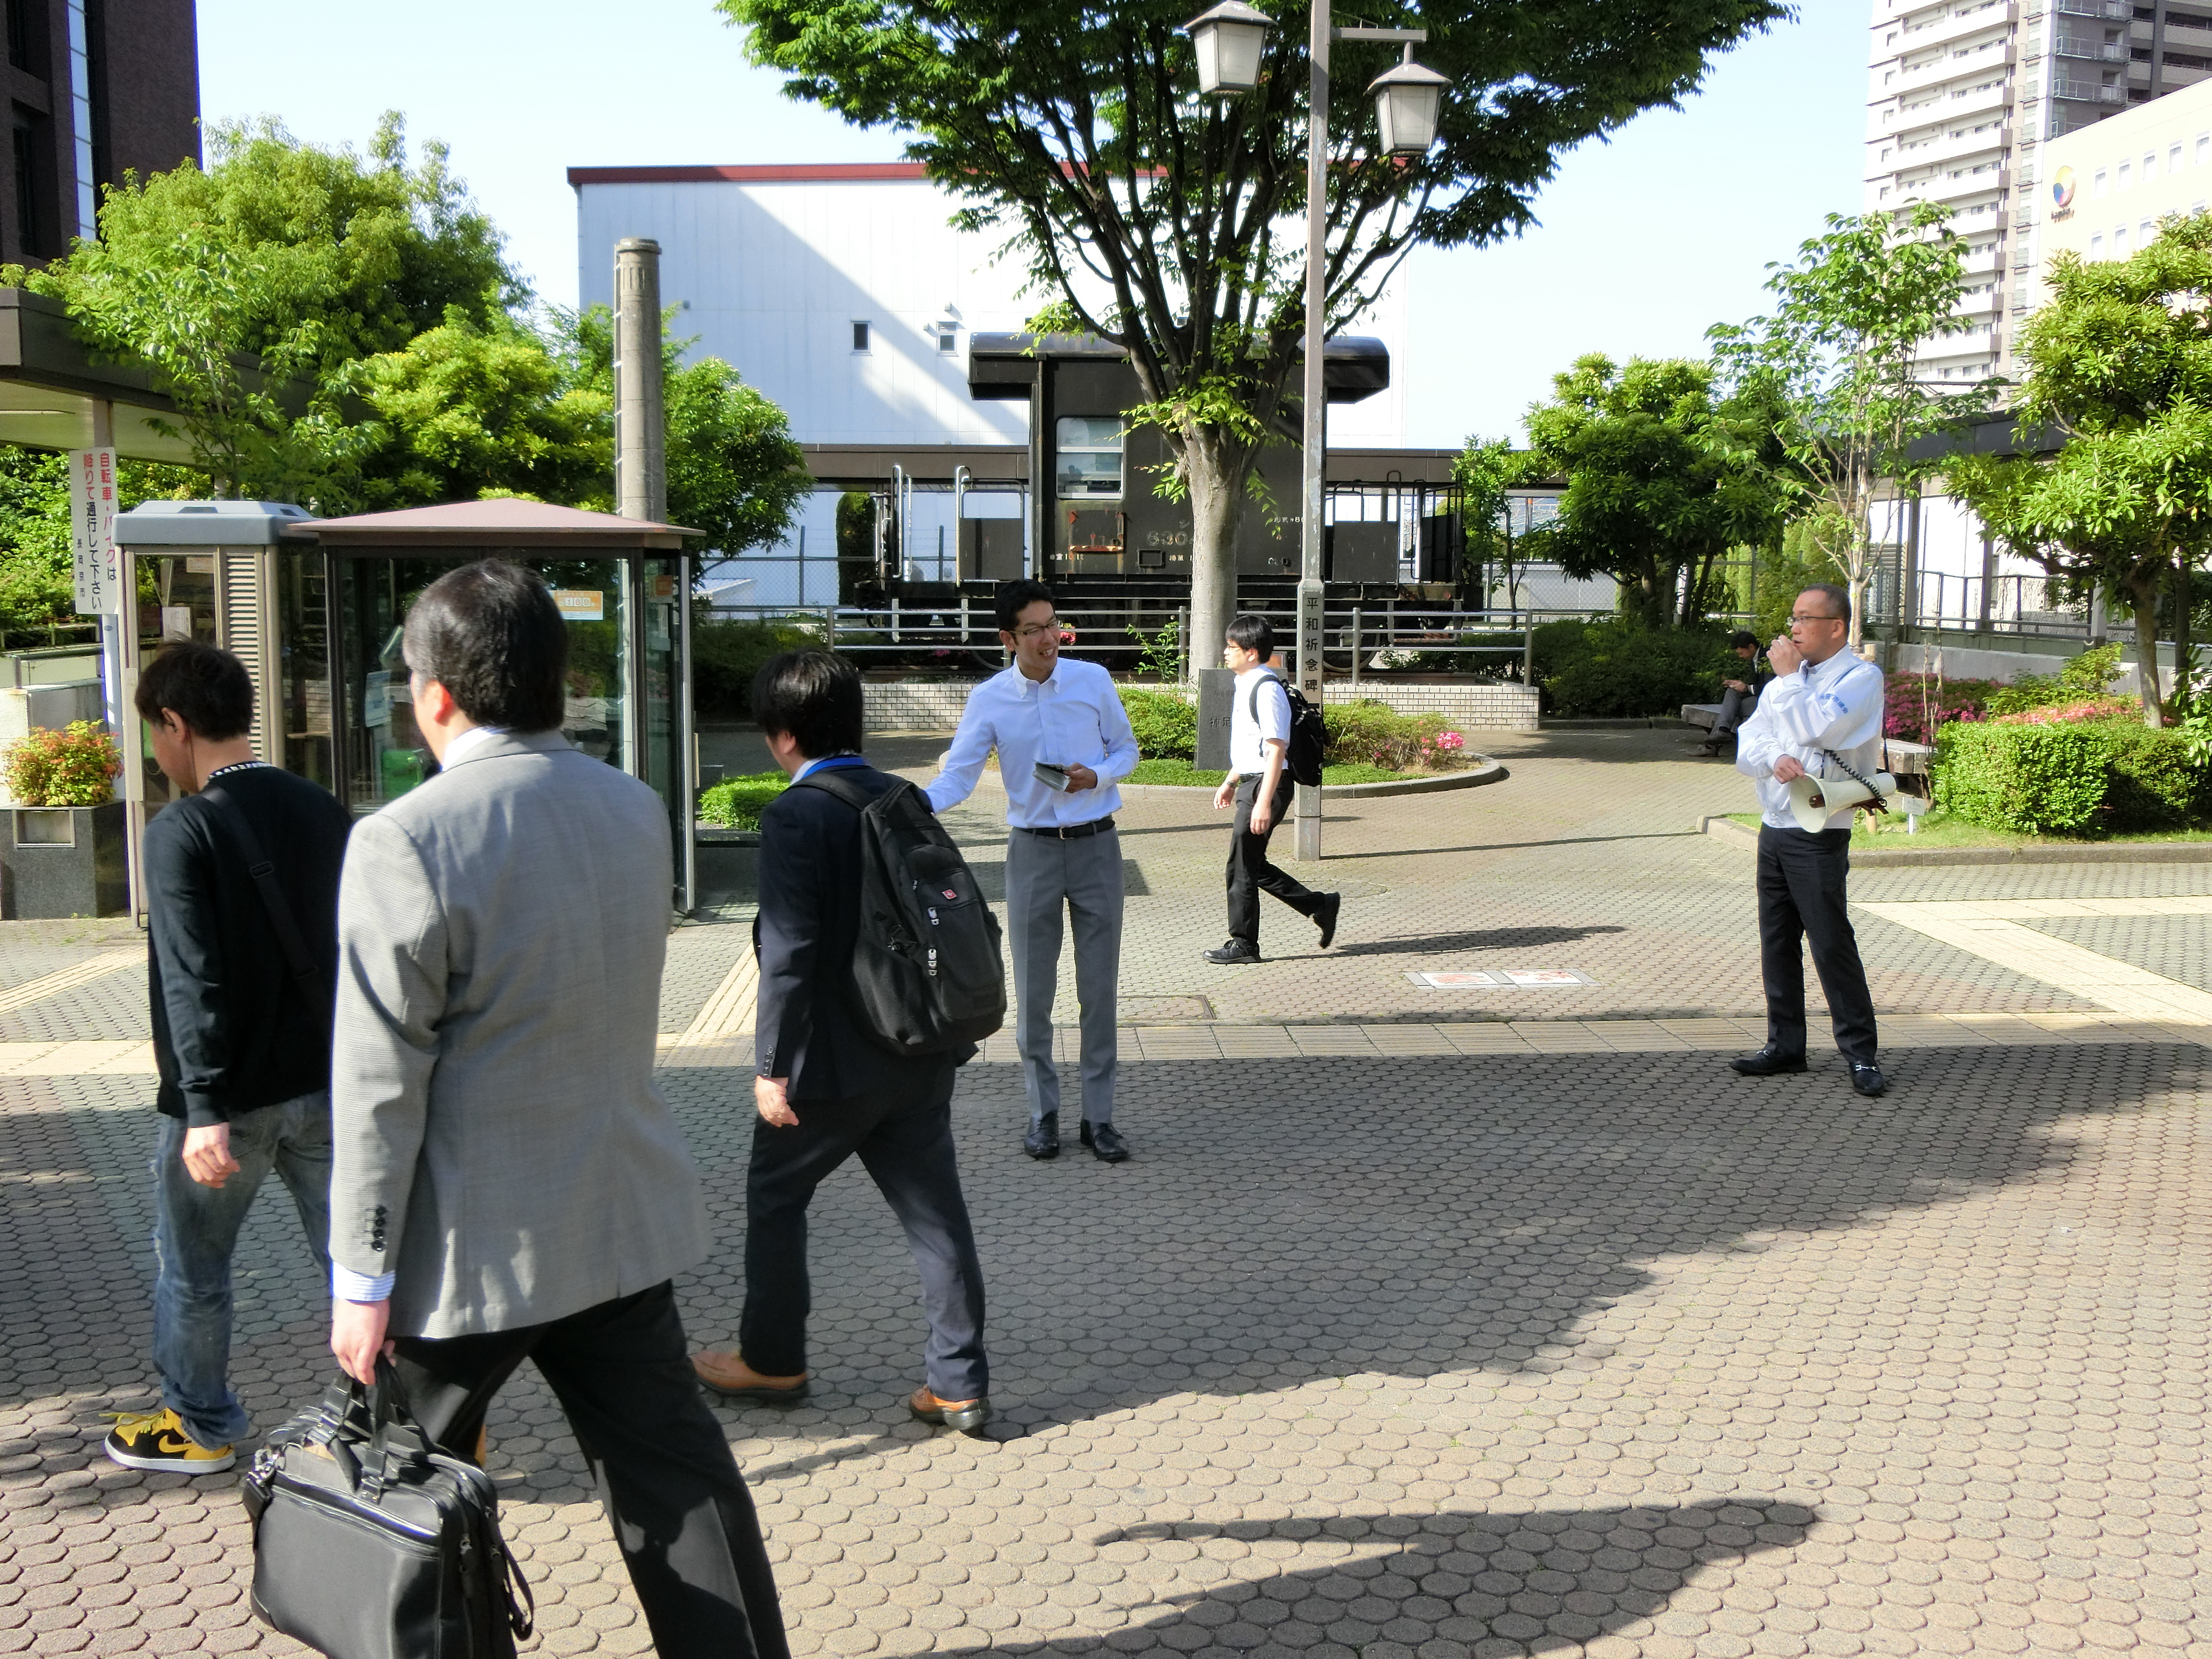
[1311,544]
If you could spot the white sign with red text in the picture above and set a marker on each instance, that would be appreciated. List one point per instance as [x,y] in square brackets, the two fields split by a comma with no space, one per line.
[96,565]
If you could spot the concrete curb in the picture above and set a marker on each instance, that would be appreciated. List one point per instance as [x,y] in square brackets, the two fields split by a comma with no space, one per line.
[1622,723]
[1489,772]
[1738,835]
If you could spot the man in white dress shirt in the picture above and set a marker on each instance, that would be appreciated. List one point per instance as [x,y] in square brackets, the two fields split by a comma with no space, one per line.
[1821,717]
[1258,787]
[1062,852]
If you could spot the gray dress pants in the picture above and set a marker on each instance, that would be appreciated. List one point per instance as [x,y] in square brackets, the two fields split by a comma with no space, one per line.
[1082,877]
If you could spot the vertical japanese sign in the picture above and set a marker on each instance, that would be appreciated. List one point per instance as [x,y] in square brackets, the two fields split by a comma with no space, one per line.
[98,566]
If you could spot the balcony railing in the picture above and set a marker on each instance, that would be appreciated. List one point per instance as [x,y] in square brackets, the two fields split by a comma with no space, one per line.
[2084,92]
[2111,52]
[2118,11]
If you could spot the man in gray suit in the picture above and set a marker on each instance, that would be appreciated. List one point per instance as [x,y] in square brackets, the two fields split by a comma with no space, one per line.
[508,1182]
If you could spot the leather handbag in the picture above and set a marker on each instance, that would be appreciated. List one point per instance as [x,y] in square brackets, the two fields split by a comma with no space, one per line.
[370,1543]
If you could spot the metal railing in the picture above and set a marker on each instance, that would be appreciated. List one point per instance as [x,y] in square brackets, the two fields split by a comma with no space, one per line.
[2018,604]
[1360,637]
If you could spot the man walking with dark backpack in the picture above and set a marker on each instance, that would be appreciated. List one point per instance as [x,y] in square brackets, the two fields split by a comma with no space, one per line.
[1259,785]
[242,896]
[830,1081]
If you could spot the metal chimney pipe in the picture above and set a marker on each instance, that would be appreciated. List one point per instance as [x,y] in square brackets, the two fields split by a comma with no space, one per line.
[641,431]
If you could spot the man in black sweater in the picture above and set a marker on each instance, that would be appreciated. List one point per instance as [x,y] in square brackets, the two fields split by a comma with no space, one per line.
[242,892]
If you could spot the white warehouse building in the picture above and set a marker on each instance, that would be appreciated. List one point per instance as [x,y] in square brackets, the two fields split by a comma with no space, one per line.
[843,292]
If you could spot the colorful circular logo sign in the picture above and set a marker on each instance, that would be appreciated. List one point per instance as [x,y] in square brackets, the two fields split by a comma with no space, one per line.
[2062,187]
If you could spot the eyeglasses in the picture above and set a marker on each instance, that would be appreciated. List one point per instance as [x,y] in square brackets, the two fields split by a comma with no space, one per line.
[1796,616]
[1031,631]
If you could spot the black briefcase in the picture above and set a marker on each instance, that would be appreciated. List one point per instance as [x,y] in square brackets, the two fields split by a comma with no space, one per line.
[370,1544]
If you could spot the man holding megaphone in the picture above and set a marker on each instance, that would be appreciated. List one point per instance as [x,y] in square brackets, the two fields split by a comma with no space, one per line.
[1818,728]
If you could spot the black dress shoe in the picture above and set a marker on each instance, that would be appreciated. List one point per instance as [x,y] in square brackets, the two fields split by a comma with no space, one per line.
[1769,1061]
[1325,917]
[1044,1139]
[1867,1080]
[1105,1142]
[1236,950]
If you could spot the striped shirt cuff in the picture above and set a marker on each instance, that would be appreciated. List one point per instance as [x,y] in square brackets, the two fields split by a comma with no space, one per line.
[347,1286]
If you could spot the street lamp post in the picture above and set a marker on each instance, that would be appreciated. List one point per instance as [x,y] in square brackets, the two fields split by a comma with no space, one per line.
[1227,39]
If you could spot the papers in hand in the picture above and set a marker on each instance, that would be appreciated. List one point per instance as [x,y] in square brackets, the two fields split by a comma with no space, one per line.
[1052,777]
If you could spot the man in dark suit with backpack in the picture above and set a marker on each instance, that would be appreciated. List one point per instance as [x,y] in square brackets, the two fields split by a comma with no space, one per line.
[1259,785]
[830,1080]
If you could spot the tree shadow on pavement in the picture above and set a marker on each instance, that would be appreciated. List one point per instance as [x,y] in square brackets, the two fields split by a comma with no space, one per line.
[1480,938]
[1461,1577]
[1288,1221]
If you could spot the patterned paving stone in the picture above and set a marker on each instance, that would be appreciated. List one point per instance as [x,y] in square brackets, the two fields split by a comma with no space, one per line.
[1400,1337]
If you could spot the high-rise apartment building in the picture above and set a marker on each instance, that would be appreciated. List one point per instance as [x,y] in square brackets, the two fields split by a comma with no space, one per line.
[1962,96]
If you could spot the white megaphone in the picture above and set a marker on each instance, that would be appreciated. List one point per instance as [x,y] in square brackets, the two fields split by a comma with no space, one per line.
[1813,801]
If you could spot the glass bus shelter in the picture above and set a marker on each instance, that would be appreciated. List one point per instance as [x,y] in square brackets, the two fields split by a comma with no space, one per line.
[315,608]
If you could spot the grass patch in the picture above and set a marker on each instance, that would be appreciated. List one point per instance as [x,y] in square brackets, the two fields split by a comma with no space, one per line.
[1182,773]
[1940,829]
[736,802]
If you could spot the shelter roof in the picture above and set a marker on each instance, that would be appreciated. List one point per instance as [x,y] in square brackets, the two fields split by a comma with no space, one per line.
[503,522]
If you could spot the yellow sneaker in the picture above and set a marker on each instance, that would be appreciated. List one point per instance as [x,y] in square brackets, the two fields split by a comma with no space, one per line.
[157,1440]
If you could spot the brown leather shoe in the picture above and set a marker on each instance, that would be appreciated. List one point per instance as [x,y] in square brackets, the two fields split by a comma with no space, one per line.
[969,1416]
[724,1370]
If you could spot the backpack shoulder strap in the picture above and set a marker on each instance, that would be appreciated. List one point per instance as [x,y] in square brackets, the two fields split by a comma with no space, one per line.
[296,954]
[835,784]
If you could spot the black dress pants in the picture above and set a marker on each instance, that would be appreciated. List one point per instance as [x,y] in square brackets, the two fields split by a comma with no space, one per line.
[681,1512]
[1801,898]
[1249,871]
[903,1137]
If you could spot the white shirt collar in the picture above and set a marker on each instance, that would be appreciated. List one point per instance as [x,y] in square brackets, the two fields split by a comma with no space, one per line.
[469,739]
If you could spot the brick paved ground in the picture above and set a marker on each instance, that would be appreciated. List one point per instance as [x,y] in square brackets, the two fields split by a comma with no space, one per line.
[1430,1348]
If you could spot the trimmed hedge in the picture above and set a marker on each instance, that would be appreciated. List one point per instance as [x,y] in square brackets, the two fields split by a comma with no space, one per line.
[1593,670]
[2094,778]
[1166,727]
[725,656]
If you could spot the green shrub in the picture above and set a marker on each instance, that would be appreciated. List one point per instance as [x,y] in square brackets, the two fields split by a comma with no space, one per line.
[1614,668]
[738,803]
[1166,727]
[2028,780]
[725,656]
[2089,675]
[1372,733]
[2155,783]
[2113,777]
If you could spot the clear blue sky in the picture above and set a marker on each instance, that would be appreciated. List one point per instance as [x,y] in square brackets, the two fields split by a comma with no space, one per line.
[1643,242]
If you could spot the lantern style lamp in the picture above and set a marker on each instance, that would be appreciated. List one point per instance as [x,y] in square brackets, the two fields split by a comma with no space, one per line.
[1228,41]
[1407,99]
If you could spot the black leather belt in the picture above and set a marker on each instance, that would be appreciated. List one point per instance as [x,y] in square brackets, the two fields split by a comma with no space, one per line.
[1068,832]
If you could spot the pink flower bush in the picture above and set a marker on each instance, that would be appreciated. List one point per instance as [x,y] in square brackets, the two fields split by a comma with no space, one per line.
[1915,705]
[2087,708]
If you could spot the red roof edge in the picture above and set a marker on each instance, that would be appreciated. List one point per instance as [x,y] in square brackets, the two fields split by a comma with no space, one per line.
[847,173]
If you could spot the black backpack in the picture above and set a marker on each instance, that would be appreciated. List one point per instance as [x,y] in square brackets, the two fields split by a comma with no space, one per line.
[927,973]
[1302,757]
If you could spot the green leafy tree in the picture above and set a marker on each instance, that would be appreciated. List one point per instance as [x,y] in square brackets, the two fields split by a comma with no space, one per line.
[735,473]
[2118,366]
[1839,358]
[38,594]
[1663,479]
[466,409]
[1485,472]
[1169,225]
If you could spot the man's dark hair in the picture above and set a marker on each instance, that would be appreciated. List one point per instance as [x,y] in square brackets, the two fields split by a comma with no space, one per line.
[812,698]
[1743,639]
[1247,632]
[1839,598]
[1014,597]
[491,634]
[202,685]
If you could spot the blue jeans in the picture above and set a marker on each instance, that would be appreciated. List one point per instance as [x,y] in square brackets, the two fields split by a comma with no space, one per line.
[195,1227]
